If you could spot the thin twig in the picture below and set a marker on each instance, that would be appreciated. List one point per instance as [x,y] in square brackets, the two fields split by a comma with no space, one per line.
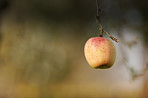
[98,15]
[99,21]
[113,38]
[103,31]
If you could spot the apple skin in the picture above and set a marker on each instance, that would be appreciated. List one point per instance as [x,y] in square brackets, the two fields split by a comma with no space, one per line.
[100,52]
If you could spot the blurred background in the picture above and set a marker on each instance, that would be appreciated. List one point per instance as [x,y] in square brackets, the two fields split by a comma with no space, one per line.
[41,49]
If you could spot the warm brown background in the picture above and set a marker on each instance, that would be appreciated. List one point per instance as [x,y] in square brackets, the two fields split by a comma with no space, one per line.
[41,49]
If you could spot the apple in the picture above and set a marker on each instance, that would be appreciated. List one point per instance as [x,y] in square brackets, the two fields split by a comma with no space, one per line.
[100,52]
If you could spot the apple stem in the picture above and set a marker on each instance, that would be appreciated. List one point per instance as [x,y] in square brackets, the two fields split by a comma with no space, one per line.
[102,30]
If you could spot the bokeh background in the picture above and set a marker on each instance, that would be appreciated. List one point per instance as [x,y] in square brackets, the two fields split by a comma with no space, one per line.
[41,49]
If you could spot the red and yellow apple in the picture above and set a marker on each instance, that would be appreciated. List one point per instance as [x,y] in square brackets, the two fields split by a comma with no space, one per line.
[100,52]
